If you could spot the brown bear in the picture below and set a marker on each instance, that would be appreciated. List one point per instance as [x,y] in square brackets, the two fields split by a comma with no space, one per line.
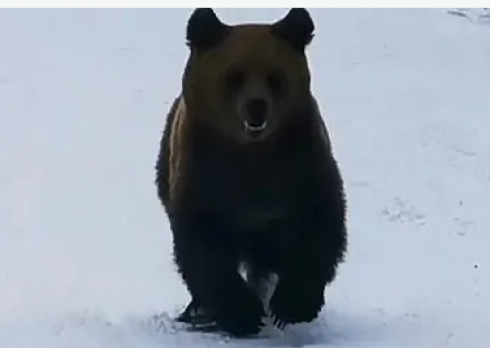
[247,175]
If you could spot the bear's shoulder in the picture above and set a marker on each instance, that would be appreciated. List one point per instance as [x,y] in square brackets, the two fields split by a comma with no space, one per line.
[170,155]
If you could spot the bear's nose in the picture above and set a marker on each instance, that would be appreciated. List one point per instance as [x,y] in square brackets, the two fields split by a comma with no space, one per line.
[257,109]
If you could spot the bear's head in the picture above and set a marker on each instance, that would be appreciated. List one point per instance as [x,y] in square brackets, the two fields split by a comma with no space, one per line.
[247,81]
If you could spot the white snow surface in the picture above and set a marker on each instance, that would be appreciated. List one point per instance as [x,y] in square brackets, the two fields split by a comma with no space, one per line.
[85,247]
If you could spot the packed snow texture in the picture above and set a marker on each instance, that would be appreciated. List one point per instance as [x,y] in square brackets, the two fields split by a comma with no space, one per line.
[85,247]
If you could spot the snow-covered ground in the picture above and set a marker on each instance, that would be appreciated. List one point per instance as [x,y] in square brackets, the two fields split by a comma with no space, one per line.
[85,250]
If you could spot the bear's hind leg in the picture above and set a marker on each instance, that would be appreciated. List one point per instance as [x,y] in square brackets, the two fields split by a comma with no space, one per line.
[195,314]
[261,281]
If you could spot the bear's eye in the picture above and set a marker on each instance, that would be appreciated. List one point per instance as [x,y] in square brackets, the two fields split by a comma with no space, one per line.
[235,80]
[275,81]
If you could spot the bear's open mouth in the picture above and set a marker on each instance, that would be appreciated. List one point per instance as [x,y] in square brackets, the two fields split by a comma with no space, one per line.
[253,127]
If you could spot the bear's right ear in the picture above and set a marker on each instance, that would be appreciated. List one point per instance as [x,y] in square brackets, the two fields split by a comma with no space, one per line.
[205,30]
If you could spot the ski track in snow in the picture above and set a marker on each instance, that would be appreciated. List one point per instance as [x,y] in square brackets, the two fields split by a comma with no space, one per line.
[85,250]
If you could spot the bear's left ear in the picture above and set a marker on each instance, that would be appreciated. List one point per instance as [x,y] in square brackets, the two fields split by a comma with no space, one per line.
[204,29]
[296,28]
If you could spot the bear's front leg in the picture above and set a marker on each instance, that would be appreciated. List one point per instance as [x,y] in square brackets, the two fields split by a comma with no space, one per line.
[319,247]
[299,295]
[207,260]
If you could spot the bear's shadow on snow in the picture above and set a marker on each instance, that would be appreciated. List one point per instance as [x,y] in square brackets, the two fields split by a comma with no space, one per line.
[331,328]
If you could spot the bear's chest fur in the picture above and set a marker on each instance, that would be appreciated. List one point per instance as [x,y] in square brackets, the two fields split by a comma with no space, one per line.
[251,188]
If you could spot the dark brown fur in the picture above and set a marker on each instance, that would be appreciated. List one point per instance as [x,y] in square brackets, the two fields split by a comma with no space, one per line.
[275,203]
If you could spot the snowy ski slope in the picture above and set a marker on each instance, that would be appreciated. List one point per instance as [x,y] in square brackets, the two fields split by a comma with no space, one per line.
[85,250]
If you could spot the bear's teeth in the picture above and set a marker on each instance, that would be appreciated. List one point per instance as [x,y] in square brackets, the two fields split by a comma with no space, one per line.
[255,128]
